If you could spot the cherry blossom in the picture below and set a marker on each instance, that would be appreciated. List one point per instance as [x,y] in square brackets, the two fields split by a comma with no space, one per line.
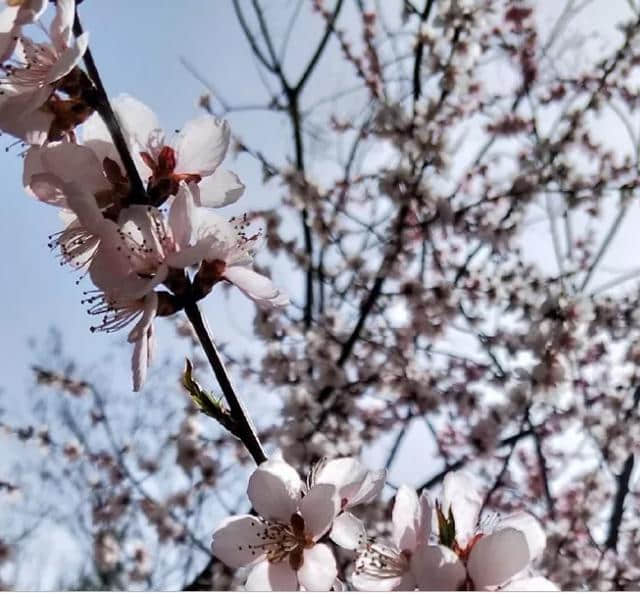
[281,544]
[356,485]
[397,565]
[192,155]
[479,557]
[117,313]
[225,250]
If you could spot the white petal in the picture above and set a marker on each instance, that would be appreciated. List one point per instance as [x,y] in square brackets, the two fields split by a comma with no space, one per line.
[74,163]
[275,490]
[267,576]
[62,23]
[318,509]
[369,489]
[149,311]
[408,520]
[84,205]
[319,569]
[31,11]
[437,568]
[8,31]
[30,125]
[257,287]
[460,495]
[138,120]
[96,136]
[181,216]
[348,532]
[234,539]
[44,188]
[498,557]
[368,578]
[347,474]
[534,583]
[140,361]
[522,521]
[68,59]
[202,145]
[221,188]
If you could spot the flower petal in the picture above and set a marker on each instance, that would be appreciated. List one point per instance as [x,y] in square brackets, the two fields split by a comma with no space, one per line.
[202,145]
[268,576]
[498,557]
[460,495]
[529,525]
[8,31]
[319,508]
[348,532]
[233,540]
[140,360]
[138,120]
[74,163]
[256,286]
[221,188]
[68,59]
[369,489]
[62,23]
[367,576]
[408,520]
[346,474]
[437,568]
[319,568]
[181,216]
[275,490]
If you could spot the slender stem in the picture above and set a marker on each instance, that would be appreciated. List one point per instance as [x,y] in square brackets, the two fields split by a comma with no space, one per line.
[103,106]
[246,430]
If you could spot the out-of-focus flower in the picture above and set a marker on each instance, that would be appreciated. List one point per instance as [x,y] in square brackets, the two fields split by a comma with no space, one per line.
[16,14]
[29,108]
[281,544]
[106,551]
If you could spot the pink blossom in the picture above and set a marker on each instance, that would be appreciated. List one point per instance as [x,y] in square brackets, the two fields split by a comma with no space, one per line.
[193,155]
[281,543]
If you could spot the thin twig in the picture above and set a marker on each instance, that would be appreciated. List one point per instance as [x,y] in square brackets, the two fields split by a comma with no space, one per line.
[103,106]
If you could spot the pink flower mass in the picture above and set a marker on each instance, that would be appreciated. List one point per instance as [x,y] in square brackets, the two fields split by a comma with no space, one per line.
[367,285]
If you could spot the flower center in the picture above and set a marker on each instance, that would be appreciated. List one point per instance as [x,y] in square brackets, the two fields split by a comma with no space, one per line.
[280,541]
[164,181]
[382,561]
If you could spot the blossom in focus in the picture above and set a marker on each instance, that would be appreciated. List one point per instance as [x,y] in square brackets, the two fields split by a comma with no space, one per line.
[281,544]
[192,155]
[226,252]
[471,556]
[356,485]
[118,313]
[397,565]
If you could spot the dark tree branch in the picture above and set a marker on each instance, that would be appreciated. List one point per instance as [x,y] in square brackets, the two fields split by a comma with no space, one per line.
[618,505]
[246,431]
[419,51]
[103,107]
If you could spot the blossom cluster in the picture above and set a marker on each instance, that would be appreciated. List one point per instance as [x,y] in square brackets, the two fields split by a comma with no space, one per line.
[128,243]
[439,545]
